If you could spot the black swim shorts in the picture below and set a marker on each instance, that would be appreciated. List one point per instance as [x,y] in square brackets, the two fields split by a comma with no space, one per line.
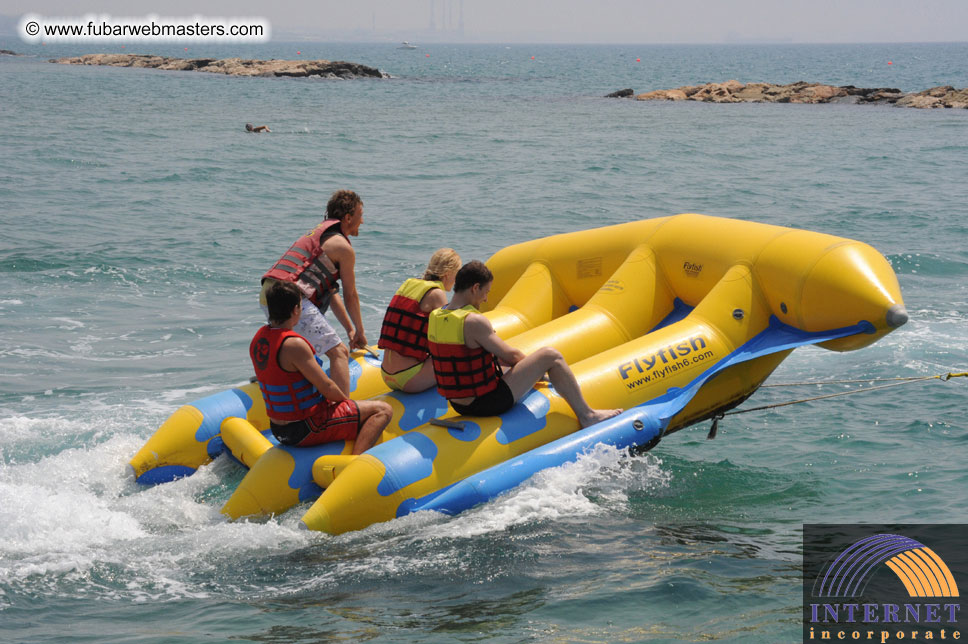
[490,404]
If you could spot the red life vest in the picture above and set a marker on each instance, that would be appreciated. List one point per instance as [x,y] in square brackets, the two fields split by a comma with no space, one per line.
[461,372]
[287,394]
[404,328]
[306,262]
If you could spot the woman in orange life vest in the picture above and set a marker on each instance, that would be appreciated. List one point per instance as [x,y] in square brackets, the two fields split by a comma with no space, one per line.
[466,351]
[403,337]
[305,407]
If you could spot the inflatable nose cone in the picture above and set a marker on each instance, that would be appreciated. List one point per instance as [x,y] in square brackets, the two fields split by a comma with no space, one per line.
[190,438]
[174,451]
[855,283]
[318,519]
[897,316]
[820,282]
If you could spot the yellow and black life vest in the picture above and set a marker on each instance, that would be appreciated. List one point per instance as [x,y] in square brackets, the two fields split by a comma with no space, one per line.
[461,372]
[404,324]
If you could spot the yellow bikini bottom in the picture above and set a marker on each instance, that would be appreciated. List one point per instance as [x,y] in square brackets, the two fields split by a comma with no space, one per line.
[399,380]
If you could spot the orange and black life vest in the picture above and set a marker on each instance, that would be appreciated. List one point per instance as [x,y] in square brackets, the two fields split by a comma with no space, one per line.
[404,328]
[461,372]
[306,262]
[287,394]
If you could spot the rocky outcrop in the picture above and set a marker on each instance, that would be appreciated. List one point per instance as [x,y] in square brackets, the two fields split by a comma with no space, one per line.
[663,95]
[231,66]
[622,93]
[7,52]
[733,91]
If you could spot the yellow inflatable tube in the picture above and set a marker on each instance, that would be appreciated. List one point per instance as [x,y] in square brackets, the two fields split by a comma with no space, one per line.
[682,317]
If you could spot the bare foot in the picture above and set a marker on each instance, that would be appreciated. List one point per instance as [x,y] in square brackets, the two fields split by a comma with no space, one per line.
[598,415]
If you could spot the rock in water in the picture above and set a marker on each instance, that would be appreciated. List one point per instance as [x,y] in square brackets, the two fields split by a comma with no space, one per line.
[733,91]
[231,66]
[622,93]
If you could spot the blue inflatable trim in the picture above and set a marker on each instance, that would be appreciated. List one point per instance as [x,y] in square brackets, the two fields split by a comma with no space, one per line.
[412,505]
[214,410]
[165,474]
[244,397]
[528,416]
[679,312]
[407,459]
[419,408]
[302,471]
[470,433]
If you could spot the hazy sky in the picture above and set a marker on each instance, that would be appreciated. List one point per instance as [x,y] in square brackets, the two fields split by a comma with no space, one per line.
[571,21]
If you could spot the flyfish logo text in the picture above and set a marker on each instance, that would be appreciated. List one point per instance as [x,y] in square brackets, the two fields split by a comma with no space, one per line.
[665,361]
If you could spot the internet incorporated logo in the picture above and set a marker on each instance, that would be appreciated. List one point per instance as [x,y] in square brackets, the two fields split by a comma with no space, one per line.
[918,567]
[884,587]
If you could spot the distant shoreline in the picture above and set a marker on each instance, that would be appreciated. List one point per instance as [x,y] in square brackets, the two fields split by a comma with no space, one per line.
[733,91]
[231,66]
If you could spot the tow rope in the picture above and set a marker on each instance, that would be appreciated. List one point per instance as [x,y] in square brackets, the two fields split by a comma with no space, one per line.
[944,377]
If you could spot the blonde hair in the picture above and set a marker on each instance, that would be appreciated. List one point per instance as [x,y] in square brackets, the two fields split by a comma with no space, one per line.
[445,260]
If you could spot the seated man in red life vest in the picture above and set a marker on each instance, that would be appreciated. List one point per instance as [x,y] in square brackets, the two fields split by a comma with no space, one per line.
[317,263]
[305,407]
[403,336]
[466,351]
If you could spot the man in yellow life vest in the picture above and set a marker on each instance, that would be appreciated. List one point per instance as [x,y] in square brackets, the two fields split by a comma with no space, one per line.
[466,353]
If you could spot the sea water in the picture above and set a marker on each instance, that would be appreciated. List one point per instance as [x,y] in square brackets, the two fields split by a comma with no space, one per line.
[138,215]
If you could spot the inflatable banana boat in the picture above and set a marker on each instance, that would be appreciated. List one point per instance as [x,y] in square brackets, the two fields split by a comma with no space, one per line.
[672,319]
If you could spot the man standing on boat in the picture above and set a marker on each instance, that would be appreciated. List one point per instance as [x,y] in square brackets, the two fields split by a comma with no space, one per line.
[305,407]
[317,263]
[466,353]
